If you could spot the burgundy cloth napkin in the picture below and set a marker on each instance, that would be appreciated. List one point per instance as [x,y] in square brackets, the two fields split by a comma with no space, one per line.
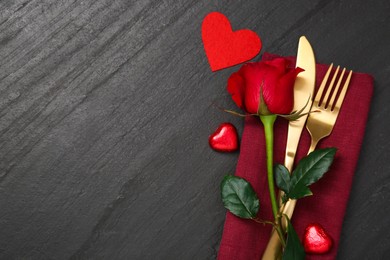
[246,240]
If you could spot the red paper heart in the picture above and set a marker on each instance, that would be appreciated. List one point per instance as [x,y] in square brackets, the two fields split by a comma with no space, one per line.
[316,240]
[225,138]
[225,48]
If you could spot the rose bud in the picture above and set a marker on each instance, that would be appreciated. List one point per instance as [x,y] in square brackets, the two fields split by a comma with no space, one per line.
[265,87]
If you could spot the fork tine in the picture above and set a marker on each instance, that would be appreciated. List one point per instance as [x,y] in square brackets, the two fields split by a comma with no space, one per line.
[322,86]
[343,91]
[336,89]
[326,98]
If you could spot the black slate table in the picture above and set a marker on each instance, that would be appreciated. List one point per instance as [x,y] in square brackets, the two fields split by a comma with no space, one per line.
[106,108]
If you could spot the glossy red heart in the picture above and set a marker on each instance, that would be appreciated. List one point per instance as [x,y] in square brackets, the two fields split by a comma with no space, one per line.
[225,47]
[316,240]
[225,138]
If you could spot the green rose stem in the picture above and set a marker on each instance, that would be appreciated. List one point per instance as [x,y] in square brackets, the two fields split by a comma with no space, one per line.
[268,122]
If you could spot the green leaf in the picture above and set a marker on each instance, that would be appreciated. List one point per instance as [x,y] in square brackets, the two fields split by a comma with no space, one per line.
[239,197]
[282,177]
[294,249]
[299,191]
[309,170]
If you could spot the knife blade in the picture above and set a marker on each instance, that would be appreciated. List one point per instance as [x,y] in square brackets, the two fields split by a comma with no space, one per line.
[303,93]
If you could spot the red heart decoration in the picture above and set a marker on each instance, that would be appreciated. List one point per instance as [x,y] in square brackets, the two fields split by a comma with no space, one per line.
[225,138]
[316,240]
[225,48]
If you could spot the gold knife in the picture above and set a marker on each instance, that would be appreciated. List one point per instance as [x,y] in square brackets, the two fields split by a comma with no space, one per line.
[303,91]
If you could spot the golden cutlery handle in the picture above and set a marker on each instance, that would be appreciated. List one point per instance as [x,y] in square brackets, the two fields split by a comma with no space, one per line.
[273,251]
[295,132]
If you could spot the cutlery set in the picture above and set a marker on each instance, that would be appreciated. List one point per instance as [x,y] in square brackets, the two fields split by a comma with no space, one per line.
[320,119]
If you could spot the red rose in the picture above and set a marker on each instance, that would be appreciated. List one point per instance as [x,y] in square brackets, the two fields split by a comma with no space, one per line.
[271,79]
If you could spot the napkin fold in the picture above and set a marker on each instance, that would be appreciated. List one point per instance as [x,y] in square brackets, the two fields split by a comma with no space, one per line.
[245,239]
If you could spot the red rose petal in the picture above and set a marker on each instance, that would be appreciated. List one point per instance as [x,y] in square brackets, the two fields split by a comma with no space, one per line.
[273,79]
[225,138]
[236,88]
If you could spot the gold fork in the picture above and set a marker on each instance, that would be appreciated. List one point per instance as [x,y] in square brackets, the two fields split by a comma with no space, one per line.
[320,123]
[324,113]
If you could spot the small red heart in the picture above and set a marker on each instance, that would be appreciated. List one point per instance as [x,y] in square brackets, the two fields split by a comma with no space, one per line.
[316,240]
[225,138]
[225,48]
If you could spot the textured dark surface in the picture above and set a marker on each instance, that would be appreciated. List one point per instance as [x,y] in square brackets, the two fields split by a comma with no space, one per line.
[105,111]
